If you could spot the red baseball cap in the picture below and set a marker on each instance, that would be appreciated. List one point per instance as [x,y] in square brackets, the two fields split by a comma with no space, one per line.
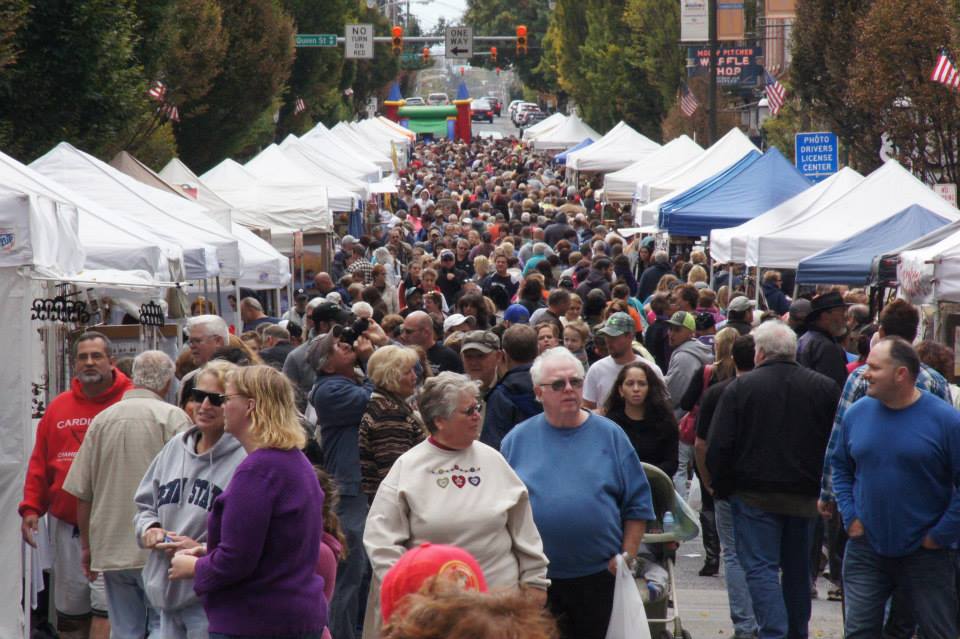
[448,563]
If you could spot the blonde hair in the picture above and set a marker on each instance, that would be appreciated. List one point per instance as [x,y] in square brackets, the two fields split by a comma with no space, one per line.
[218,369]
[580,327]
[275,422]
[481,265]
[697,274]
[663,286]
[723,347]
[506,249]
[388,364]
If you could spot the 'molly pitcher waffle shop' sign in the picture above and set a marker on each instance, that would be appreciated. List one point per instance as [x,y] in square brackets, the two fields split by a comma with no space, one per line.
[736,66]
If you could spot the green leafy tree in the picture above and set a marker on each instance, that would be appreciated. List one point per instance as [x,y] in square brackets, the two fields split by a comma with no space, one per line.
[654,28]
[501,17]
[13,16]
[76,78]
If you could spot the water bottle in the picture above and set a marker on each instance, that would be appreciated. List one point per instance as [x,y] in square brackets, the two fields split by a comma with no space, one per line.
[668,522]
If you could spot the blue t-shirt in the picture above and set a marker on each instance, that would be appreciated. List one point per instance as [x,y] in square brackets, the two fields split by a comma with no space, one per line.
[897,471]
[584,483]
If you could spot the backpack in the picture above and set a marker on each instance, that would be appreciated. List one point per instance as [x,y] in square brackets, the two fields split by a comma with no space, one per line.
[688,423]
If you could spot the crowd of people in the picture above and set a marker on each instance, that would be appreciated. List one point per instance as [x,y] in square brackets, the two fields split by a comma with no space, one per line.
[446,435]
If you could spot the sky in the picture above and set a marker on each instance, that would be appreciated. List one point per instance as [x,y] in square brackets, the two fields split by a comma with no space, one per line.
[429,12]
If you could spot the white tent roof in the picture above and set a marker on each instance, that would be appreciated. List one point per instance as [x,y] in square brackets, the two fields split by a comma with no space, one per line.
[730,244]
[110,239]
[621,185]
[263,204]
[264,267]
[883,193]
[378,129]
[365,147]
[727,151]
[620,147]
[273,165]
[571,132]
[931,273]
[322,170]
[390,124]
[39,232]
[331,147]
[208,250]
[543,126]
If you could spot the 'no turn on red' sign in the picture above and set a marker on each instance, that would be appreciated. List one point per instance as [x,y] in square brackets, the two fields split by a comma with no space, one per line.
[358,41]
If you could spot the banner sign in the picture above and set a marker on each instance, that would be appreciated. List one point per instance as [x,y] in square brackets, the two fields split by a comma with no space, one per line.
[694,22]
[736,66]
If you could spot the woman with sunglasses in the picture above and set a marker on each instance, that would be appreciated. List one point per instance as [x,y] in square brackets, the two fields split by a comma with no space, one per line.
[256,575]
[452,489]
[175,498]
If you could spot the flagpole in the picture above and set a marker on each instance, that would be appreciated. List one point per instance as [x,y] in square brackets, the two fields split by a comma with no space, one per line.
[712,88]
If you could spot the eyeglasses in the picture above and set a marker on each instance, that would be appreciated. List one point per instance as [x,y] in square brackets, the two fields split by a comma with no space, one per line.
[560,384]
[193,341]
[215,399]
[473,410]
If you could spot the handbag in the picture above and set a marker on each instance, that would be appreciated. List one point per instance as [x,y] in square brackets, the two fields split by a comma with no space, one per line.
[688,423]
[628,619]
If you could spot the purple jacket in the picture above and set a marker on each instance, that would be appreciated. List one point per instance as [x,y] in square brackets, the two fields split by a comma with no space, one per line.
[263,540]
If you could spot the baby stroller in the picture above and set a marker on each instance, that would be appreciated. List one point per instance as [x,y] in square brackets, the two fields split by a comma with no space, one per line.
[662,545]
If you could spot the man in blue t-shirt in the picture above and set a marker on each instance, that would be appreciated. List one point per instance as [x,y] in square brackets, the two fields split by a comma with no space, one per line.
[895,473]
[588,491]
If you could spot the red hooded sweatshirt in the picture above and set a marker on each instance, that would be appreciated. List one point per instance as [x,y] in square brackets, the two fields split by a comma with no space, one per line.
[59,435]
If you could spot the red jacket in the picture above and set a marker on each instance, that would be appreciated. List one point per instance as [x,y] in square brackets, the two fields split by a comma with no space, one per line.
[59,435]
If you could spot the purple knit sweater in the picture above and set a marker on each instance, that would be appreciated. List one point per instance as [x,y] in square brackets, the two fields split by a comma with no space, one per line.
[263,539]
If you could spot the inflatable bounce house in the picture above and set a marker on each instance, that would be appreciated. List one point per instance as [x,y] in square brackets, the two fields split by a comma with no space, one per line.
[451,121]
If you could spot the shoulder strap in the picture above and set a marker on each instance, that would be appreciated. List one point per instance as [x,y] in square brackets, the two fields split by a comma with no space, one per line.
[707,375]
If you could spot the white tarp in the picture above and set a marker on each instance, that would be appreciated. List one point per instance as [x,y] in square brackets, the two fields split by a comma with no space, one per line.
[573,131]
[321,170]
[619,148]
[727,151]
[110,240]
[37,231]
[208,249]
[333,149]
[885,192]
[730,245]
[393,126]
[364,147]
[620,186]
[543,126]
[931,273]
[273,165]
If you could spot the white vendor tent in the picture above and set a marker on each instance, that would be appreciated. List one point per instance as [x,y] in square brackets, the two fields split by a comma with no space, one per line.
[571,132]
[365,147]
[327,145]
[208,249]
[543,126]
[730,245]
[620,186]
[273,165]
[882,194]
[726,152]
[321,169]
[619,148]
[393,126]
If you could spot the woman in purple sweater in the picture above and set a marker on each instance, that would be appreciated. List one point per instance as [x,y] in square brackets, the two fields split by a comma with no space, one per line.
[256,576]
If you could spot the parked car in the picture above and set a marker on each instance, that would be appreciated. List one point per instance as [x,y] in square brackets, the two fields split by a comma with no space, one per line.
[523,118]
[415,100]
[437,99]
[521,109]
[513,107]
[481,109]
[496,103]
[532,117]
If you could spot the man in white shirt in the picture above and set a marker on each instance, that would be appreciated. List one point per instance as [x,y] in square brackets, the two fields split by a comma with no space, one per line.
[619,330]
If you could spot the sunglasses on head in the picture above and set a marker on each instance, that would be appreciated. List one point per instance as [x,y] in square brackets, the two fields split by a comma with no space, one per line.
[215,399]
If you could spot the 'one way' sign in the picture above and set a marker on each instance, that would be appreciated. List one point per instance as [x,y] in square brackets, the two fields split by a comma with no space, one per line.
[459,42]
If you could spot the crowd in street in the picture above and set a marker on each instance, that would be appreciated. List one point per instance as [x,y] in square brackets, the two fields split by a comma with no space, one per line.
[456,431]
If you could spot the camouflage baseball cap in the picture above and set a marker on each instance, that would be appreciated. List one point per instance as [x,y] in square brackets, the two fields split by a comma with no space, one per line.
[618,324]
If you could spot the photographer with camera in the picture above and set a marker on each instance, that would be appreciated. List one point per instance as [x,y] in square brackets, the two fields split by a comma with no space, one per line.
[340,396]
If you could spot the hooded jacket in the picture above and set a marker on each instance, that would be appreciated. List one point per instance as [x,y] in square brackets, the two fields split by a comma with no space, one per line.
[510,402]
[59,435]
[177,494]
[595,279]
[685,361]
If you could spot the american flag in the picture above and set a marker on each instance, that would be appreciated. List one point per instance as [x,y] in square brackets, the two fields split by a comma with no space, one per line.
[776,94]
[170,112]
[945,71]
[157,90]
[688,101]
[299,106]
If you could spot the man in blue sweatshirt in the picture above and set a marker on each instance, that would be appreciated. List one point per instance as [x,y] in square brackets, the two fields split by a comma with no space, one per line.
[895,473]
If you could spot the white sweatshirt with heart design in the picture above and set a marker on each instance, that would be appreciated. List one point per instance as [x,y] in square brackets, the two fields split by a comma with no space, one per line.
[469,498]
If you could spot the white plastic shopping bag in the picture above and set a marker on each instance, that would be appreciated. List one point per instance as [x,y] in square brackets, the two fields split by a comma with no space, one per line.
[628,619]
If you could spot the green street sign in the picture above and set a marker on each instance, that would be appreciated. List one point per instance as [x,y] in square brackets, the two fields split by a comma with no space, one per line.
[316,40]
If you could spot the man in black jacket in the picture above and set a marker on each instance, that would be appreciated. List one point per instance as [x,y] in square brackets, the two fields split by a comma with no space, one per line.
[512,400]
[818,349]
[659,267]
[765,454]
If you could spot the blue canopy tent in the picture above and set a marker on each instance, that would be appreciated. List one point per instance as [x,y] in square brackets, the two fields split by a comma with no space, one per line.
[561,158]
[752,186]
[851,261]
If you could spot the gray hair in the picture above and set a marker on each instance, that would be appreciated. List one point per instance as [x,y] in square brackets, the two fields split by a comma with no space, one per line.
[212,324]
[776,340]
[382,256]
[252,302]
[539,248]
[87,336]
[362,309]
[153,370]
[555,355]
[440,395]
[661,257]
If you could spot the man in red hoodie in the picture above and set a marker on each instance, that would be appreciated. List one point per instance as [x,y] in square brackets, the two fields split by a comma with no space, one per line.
[97,385]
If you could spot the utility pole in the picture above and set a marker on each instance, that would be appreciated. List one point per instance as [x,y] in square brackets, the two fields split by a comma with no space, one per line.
[712,86]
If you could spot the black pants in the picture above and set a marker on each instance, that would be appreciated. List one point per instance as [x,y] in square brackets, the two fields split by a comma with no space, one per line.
[582,605]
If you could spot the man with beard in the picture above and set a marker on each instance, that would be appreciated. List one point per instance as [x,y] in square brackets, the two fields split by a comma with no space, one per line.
[97,385]
[818,348]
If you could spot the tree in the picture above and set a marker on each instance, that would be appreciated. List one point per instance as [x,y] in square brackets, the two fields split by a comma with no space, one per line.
[260,53]
[76,79]
[654,27]
[697,126]
[896,49]
[501,17]
[13,15]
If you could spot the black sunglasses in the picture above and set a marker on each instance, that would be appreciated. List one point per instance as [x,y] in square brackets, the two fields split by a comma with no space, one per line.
[215,399]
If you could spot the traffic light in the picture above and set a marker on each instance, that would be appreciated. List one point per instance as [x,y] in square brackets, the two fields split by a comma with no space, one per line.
[521,39]
[426,54]
[397,44]
[493,53]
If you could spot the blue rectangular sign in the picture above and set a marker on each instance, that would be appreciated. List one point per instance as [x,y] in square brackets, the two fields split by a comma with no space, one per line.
[817,155]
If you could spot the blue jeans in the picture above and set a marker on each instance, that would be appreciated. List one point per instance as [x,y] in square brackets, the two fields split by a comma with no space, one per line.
[870,579]
[131,615]
[741,606]
[349,592]
[774,551]
[184,623]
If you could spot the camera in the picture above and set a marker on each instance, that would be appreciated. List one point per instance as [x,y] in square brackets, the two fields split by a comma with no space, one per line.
[349,334]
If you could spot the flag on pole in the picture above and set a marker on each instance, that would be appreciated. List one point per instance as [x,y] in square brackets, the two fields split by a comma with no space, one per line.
[170,112]
[299,106]
[945,71]
[776,94]
[157,90]
[688,101]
